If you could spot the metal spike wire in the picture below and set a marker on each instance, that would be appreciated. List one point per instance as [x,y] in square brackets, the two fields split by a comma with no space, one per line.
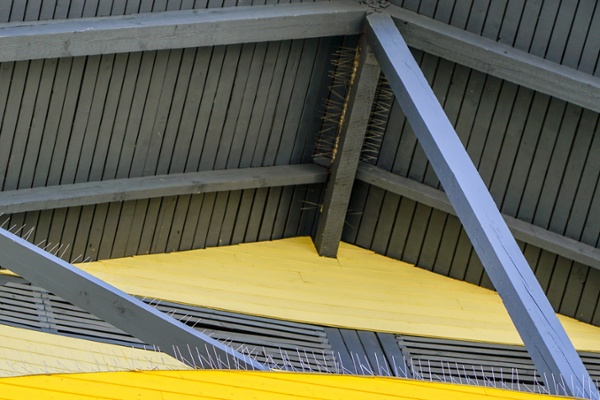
[340,74]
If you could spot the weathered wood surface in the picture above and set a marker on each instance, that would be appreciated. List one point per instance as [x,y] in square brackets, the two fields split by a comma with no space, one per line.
[178,29]
[498,59]
[347,153]
[524,231]
[115,306]
[79,194]
[545,338]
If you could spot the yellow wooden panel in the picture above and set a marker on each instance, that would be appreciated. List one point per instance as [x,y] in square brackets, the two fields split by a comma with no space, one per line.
[26,352]
[287,279]
[240,385]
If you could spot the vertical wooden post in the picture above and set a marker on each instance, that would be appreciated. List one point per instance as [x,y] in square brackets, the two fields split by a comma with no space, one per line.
[355,118]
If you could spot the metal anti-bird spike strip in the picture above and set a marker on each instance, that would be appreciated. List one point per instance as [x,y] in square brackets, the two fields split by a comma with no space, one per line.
[109,303]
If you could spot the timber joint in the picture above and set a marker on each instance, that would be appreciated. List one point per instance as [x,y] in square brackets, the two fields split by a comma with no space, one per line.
[375,5]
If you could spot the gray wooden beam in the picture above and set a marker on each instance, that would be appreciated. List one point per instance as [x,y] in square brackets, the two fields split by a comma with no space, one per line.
[178,29]
[545,339]
[116,307]
[80,194]
[497,59]
[524,231]
[355,119]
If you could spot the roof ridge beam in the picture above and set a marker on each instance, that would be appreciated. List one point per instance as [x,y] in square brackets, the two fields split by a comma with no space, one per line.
[545,339]
[178,29]
[497,59]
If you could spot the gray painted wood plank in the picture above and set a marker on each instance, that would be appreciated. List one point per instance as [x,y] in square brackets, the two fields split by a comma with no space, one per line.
[370,214]
[272,99]
[81,119]
[572,294]
[11,113]
[117,125]
[190,207]
[573,167]
[254,221]
[523,231]
[178,223]
[167,104]
[281,109]
[259,103]
[556,170]
[230,218]
[175,123]
[589,297]
[525,154]
[160,83]
[500,60]
[127,235]
[541,161]
[126,166]
[525,301]
[23,126]
[543,28]
[216,220]
[417,231]
[243,216]
[222,105]
[154,31]
[577,221]
[588,61]
[560,276]
[37,131]
[207,105]
[394,355]
[184,130]
[108,233]
[150,210]
[163,227]
[97,109]
[269,214]
[513,137]
[297,204]
[401,230]
[246,106]
[380,365]
[244,75]
[204,220]
[385,224]
[157,186]
[310,120]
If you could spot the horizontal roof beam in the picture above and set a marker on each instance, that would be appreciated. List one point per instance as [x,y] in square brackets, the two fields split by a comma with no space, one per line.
[524,231]
[497,59]
[178,29]
[81,194]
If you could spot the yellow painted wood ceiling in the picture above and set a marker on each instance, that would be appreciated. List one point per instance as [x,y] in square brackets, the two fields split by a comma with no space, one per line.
[239,385]
[286,279]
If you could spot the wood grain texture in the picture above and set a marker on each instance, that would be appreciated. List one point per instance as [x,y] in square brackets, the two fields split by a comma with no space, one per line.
[219,385]
[178,29]
[358,290]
